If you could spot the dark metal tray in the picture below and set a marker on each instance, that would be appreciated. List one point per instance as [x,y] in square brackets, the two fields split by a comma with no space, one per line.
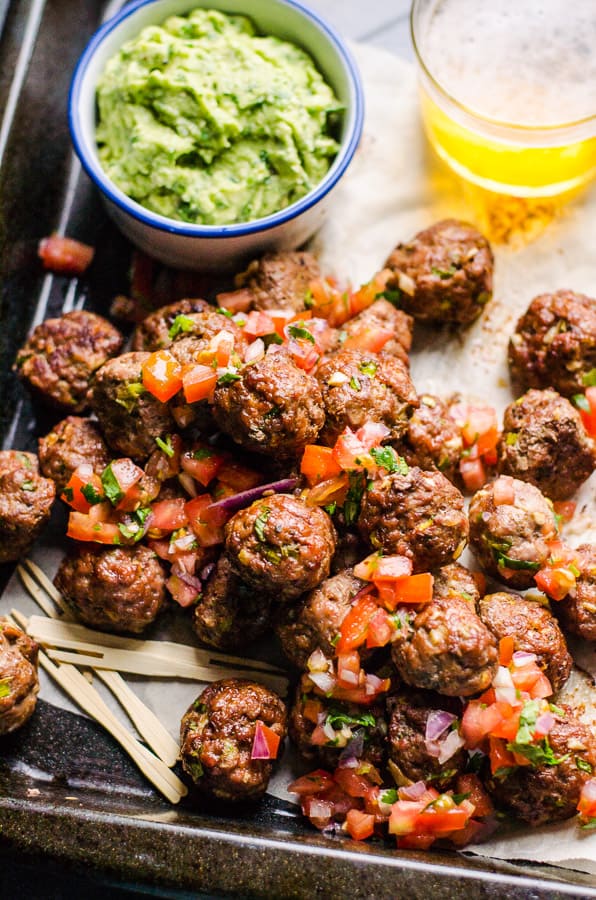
[66,789]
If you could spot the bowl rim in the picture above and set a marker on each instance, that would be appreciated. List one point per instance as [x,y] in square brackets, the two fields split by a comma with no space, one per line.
[162,223]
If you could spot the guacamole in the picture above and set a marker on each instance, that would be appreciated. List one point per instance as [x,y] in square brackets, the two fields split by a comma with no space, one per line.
[204,121]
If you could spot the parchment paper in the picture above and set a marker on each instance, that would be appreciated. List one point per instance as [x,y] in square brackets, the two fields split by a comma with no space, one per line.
[393,189]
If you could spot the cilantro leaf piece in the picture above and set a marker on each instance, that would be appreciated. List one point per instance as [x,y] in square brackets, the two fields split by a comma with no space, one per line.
[540,754]
[260,523]
[393,296]
[387,458]
[337,719]
[589,378]
[4,688]
[355,384]
[357,485]
[165,446]
[111,485]
[179,325]
[580,401]
[368,367]
[389,796]
[444,273]
[90,494]
[300,332]
[228,378]
[583,765]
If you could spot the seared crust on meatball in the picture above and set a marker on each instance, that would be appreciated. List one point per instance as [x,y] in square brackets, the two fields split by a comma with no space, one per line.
[510,540]
[230,613]
[280,280]
[25,503]
[316,620]
[360,729]
[549,793]
[69,444]
[433,438]
[544,442]
[118,589]
[217,734]
[577,611]
[554,343]
[18,676]
[281,546]
[454,580]
[380,314]
[153,333]
[419,515]
[533,628]
[444,274]
[61,355]
[200,328]
[130,417]
[408,748]
[445,647]
[359,387]
[274,408]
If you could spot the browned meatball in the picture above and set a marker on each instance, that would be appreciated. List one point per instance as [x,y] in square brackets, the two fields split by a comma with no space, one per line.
[433,438]
[548,793]
[359,387]
[445,647]
[217,735]
[197,332]
[411,754]
[316,620]
[352,731]
[119,589]
[281,546]
[280,280]
[380,314]
[510,539]
[419,515]
[18,677]
[62,354]
[534,630]
[544,442]
[274,408]
[444,274]
[577,611]
[153,333]
[230,613]
[554,343]
[25,503]
[455,580]
[70,443]
[130,417]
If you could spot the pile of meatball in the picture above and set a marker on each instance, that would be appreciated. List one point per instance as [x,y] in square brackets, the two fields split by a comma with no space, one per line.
[287,565]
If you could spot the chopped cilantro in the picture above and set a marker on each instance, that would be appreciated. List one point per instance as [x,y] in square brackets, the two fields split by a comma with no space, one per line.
[459,798]
[203,453]
[387,458]
[299,331]
[111,486]
[527,721]
[224,312]
[393,296]
[165,446]
[90,494]
[580,401]
[330,508]
[69,494]
[180,324]
[512,438]
[337,719]
[194,768]
[355,384]
[28,486]
[444,273]
[335,640]
[583,764]
[4,688]
[128,394]
[368,367]
[591,823]
[228,378]
[357,484]
[133,529]
[260,523]
[589,378]
[538,754]
[476,761]
[389,796]
[273,412]
[272,338]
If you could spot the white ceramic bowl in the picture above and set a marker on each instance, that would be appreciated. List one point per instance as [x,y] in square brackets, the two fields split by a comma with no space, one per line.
[189,246]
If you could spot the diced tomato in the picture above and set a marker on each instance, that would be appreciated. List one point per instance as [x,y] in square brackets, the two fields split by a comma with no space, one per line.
[162,375]
[236,301]
[556,582]
[506,648]
[442,821]
[478,425]
[350,781]
[381,629]
[531,679]
[202,522]
[168,515]
[471,785]
[565,509]
[368,338]
[478,721]
[348,669]
[359,825]
[311,710]
[82,477]
[589,416]
[318,464]
[587,800]
[415,841]
[504,491]
[127,474]
[269,737]
[500,757]
[238,476]
[329,301]
[367,293]
[473,473]
[509,724]
[372,434]
[411,589]
[83,527]
[219,351]
[354,627]
[390,568]
[202,462]
[350,454]
[304,354]
[258,323]
[404,815]
[184,594]
[314,783]
[65,255]
[198,383]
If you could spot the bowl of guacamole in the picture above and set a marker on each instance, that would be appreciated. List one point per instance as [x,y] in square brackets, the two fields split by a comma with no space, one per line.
[216,131]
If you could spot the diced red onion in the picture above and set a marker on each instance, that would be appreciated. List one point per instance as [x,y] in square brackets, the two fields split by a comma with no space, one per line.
[188,483]
[522,658]
[260,749]
[182,543]
[329,731]
[412,791]
[372,684]
[206,571]
[349,677]
[319,809]
[438,721]
[317,661]
[191,580]
[449,746]
[352,751]
[545,722]
[254,351]
[505,690]
[245,498]
[323,681]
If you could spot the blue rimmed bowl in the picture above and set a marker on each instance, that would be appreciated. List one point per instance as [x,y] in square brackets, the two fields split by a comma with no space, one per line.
[208,247]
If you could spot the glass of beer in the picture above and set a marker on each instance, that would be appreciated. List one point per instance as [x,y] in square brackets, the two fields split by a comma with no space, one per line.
[508,91]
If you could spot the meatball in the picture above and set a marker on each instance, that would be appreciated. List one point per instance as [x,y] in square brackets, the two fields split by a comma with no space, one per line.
[548,793]
[359,387]
[217,735]
[25,503]
[70,443]
[280,280]
[577,611]
[130,417]
[315,622]
[274,408]
[281,546]
[445,647]
[351,729]
[118,589]
[419,515]
[554,343]
[413,756]
[229,613]
[62,354]
[380,315]
[18,677]
[198,331]
[433,438]
[153,333]
[455,580]
[511,526]
[445,274]
[533,628]
[544,442]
